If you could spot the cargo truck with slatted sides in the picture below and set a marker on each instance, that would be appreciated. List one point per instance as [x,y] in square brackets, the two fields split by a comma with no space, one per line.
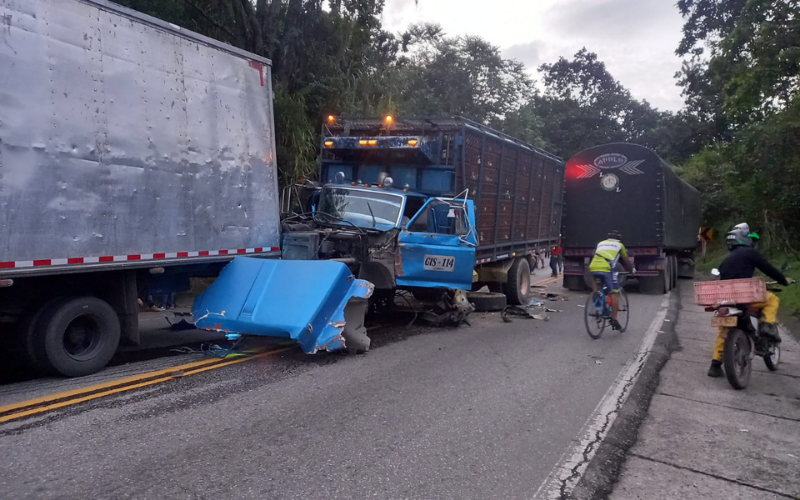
[134,154]
[629,188]
[393,188]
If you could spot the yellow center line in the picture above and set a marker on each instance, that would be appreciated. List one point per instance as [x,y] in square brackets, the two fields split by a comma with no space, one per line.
[105,385]
[547,281]
[196,368]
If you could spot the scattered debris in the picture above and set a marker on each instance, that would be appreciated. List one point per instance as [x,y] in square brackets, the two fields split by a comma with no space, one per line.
[450,310]
[522,312]
[581,305]
[743,430]
[536,303]
[598,362]
[180,325]
[547,309]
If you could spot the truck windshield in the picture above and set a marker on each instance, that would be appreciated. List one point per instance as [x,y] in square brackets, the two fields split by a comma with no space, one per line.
[362,207]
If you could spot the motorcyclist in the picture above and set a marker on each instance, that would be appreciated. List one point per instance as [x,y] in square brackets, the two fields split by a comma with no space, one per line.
[608,253]
[741,263]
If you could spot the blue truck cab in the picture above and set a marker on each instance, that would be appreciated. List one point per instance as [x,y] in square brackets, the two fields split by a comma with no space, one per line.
[429,203]
[432,239]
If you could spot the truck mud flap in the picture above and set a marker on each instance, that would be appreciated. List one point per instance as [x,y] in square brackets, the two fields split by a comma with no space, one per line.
[320,304]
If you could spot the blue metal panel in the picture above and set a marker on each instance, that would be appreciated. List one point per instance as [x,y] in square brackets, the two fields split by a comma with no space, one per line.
[404,176]
[438,181]
[301,300]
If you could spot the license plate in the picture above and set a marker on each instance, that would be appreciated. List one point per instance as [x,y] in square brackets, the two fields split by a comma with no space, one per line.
[723,321]
[440,263]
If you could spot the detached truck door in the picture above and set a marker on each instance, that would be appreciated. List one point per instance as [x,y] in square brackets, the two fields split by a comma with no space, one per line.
[436,249]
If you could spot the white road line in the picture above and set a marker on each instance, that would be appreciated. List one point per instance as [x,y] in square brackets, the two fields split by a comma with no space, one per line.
[566,474]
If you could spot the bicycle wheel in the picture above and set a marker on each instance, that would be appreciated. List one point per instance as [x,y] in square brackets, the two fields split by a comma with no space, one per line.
[624,310]
[593,315]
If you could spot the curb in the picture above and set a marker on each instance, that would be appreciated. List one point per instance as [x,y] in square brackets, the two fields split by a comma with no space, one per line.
[603,471]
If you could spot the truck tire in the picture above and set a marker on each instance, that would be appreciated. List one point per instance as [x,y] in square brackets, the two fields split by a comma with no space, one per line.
[29,328]
[487,301]
[653,285]
[574,283]
[674,271]
[76,336]
[588,280]
[518,286]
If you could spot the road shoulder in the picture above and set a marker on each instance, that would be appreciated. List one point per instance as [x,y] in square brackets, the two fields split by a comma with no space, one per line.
[600,476]
[701,436]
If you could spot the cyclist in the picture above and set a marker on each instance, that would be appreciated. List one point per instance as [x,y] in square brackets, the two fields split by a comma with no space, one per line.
[741,263]
[607,255]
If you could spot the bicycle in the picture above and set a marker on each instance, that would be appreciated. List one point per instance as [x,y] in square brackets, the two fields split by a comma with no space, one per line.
[597,313]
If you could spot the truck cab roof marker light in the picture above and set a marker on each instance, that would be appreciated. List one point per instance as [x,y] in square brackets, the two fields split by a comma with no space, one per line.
[328,144]
[373,142]
[362,142]
[413,142]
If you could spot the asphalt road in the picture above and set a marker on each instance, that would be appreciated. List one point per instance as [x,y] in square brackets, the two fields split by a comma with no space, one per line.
[477,412]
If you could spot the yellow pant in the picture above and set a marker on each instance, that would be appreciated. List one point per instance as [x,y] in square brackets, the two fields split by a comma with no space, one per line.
[770,311]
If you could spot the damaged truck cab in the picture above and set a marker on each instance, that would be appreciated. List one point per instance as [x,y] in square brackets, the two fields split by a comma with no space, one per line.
[390,237]
[428,203]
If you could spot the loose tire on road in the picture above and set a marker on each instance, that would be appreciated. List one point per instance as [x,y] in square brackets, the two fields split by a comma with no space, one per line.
[76,336]
[487,301]
[736,359]
[518,286]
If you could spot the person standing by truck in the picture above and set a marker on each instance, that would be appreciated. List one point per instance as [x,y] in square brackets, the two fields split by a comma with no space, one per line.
[607,255]
[554,263]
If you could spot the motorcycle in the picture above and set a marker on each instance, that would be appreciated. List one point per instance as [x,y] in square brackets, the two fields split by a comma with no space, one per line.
[744,340]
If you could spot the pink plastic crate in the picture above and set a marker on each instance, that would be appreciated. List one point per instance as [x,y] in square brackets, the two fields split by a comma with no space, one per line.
[746,291]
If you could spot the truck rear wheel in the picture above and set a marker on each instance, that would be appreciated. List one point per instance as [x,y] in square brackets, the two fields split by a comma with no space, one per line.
[574,283]
[74,337]
[653,285]
[674,271]
[518,286]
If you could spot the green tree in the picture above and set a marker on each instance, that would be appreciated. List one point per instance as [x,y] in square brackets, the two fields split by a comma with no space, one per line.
[741,81]
[459,75]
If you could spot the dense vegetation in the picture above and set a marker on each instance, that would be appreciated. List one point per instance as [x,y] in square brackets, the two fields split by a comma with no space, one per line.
[736,139]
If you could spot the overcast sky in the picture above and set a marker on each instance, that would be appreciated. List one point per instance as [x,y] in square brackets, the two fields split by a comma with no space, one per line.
[635,38]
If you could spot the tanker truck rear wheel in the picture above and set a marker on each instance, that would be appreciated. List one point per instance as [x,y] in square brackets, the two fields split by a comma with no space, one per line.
[574,283]
[74,337]
[653,285]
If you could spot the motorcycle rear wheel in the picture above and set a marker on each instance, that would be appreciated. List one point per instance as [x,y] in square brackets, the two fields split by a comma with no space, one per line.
[736,359]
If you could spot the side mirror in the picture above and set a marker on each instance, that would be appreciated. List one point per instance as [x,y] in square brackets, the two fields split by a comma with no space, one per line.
[715,272]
